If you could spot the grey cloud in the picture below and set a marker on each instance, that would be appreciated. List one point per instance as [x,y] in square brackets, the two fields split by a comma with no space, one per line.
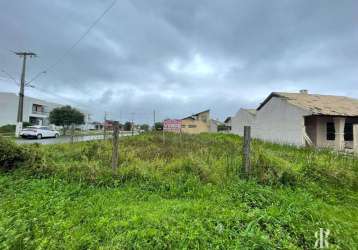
[179,57]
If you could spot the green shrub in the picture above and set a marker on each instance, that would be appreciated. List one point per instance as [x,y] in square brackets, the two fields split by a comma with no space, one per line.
[10,154]
[8,128]
[13,155]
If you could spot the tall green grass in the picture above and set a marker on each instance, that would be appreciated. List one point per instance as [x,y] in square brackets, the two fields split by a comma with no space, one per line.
[186,192]
[212,158]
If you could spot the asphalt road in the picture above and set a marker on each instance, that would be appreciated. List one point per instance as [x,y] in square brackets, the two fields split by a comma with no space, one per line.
[65,139]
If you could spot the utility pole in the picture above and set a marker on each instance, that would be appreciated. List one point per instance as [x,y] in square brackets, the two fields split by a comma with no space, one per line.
[20,110]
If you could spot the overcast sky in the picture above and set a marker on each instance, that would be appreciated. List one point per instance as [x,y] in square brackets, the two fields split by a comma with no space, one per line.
[180,57]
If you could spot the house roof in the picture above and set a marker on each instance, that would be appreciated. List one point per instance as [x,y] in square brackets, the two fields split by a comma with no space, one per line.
[192,116]
[319,104]
[217,122]
[189,117]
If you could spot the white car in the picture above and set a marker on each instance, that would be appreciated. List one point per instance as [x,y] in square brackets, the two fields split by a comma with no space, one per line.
[38,132]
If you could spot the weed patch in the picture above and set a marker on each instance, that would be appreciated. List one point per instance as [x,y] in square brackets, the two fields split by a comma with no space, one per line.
[184,193]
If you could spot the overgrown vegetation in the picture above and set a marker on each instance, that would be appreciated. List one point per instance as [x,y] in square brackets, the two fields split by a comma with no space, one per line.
[9,128]
[13,156]
[184,193]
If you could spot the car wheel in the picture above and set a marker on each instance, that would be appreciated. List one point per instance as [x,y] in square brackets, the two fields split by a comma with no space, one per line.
[57,135]
[39,136]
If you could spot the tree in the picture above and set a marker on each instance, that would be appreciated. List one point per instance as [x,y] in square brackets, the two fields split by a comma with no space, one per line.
[66,116]
[158,126]
[127,126]
[144,127]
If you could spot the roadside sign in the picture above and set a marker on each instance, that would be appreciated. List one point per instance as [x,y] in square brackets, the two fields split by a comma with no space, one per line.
[172,125]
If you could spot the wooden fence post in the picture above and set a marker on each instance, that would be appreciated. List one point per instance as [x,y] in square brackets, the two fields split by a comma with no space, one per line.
[115,143]
[72,132]
[163,136]
[180,138]
[104,130]
[132,128]
[246,168]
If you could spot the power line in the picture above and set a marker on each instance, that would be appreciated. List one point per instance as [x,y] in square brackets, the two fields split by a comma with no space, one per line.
[58,96]
[5,78]
[67,52]
[10,76]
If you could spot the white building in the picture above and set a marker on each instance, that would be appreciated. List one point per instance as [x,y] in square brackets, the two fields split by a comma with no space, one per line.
[244,117]
[214,124]
[35,111]
[302,119]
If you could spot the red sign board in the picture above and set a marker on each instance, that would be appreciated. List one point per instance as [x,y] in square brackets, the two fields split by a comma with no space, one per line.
[172,125]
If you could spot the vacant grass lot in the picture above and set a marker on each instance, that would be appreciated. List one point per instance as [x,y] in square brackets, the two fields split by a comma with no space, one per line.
[184,193]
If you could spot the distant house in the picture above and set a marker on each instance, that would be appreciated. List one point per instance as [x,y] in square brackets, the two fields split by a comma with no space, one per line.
[36,111]
[215,125]
[244,117]
[198,123]
[227,123]
[303,119]
[108,124]
[96,125]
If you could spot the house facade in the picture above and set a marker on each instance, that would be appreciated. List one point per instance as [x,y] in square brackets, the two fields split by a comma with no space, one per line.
[36,111]
[303,119]
[244,117]
[198,123]
[227,123]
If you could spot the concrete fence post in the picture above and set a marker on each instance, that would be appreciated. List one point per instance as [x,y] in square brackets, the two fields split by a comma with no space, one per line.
[246,167]
[355,138]
[115,142]
[339,123]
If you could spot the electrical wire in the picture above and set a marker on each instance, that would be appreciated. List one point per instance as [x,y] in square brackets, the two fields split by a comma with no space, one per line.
[10,76]
[5,78]
[68,51]
[58,96]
